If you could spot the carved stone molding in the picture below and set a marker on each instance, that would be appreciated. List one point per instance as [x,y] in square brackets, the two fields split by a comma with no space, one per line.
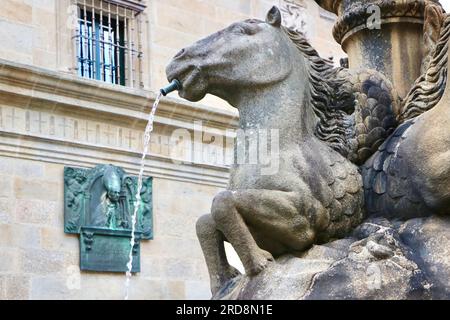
[60,118]
[354,14]
[294,15]
[66,90]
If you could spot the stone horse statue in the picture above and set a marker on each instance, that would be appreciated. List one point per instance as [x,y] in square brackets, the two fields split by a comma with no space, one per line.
[327,118]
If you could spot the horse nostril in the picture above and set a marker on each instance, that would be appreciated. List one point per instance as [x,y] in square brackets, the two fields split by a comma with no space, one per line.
[180,54]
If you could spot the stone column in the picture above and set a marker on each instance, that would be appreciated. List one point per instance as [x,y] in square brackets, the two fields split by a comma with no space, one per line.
[385,35]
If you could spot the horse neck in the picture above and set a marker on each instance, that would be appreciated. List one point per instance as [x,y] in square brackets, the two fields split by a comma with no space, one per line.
[284,106]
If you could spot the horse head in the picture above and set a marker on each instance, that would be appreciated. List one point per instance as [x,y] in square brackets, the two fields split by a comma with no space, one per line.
[244,56]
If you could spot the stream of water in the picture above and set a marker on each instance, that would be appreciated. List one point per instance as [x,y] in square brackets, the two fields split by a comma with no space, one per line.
[147,136]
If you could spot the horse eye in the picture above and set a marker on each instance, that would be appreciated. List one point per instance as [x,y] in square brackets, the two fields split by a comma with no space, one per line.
[241,29]
[248,30]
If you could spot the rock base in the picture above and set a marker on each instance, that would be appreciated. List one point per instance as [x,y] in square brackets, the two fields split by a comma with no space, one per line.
[381,260]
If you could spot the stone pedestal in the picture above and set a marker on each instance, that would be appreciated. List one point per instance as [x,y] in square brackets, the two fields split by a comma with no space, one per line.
[380,261]
[383,35]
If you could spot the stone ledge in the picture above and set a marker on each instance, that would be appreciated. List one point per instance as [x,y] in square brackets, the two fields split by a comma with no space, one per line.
[68,90]
[33,96]
[83,155]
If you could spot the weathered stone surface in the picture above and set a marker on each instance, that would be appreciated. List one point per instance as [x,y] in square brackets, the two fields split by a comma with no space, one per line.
[381,260]
[18,37]
[56,239]
[175,268]
[5,186]
[42,262]
[109,285]
[288,278]
[17,287]
[6,210]
[52,288]
[430,242]
[36,212]
[2,287]
[196,290]
[8,260]
[176,290]
[147,289]
[36,189]
[18,236]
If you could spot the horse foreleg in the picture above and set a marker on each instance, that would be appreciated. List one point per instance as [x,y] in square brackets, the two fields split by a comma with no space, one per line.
[234,228]
[282,221]
[212,243]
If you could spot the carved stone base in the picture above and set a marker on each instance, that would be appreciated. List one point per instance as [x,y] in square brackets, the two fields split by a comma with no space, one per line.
[382,260]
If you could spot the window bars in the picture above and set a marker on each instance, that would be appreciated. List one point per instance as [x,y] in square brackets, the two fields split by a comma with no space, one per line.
[108,41]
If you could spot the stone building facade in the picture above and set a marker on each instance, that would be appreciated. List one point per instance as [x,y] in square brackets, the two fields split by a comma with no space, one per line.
[59,107]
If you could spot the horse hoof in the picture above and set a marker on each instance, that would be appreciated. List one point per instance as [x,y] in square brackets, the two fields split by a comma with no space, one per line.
[260,262]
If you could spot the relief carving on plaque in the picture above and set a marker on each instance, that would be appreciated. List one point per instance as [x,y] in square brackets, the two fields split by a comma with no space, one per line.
[99,204]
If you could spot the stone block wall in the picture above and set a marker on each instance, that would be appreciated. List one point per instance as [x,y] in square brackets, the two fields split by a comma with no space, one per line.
[41,132]
[39,261]
[28,32]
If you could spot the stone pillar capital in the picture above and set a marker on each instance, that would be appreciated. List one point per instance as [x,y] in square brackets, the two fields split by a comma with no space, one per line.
[353,15]
[386,35]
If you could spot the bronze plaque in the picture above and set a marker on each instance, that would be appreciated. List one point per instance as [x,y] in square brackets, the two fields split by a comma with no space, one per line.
[99,204]
[108,250]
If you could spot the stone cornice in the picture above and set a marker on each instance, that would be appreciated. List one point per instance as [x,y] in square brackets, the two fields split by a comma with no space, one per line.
[30,95]
[79,93]
[72,153]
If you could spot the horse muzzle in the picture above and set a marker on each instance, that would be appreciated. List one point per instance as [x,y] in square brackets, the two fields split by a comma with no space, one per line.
[193,84]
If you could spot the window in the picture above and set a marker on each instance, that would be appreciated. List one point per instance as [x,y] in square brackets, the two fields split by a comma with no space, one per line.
[108,44]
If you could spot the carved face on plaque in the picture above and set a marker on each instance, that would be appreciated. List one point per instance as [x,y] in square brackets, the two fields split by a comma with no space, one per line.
[112,183]
[109,212]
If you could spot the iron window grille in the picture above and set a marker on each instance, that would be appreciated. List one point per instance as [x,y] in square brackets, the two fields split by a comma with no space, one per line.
[108,42]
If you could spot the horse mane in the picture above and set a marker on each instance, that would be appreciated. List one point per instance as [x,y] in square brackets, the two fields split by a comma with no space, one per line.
[429,88]
[331,98]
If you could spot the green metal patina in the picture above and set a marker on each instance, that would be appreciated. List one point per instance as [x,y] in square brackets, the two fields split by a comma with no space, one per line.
[98,205]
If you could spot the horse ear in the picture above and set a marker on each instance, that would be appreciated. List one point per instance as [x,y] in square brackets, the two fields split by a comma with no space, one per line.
[274,17]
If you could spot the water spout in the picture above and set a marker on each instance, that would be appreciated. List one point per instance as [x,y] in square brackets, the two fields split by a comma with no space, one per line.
[175,85]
